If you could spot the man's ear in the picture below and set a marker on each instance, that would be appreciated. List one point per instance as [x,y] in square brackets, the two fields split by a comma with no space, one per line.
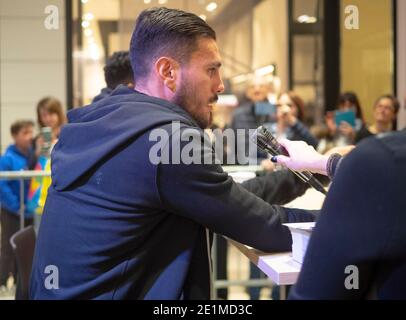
[168,71]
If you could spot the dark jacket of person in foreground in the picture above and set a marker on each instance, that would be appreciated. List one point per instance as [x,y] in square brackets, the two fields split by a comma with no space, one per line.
[117,226]
[358,248]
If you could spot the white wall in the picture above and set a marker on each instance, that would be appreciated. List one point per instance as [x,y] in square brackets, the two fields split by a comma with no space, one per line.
[32,60]
[401,67]
[270,32]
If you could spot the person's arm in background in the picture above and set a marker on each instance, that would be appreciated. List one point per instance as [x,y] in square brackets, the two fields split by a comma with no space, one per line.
[297,130]
[8,199]
[355,227]
[300,132]
[209,196]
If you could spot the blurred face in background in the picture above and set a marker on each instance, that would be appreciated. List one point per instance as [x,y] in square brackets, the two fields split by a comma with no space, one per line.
[384,111]
[346,106]
[49,119]
[257,91]
[285,101]
[23,139]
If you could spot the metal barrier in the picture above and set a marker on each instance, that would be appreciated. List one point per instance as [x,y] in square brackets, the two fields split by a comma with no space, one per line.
[21,176]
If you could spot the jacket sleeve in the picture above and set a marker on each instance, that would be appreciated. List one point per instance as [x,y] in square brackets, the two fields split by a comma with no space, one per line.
[7,198]
[356,223]
[206,194]
[279,187]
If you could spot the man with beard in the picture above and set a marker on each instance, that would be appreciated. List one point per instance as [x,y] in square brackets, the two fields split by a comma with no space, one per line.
[117,225]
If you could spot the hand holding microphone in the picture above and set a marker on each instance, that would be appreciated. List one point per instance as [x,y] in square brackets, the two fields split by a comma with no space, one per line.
[298,160]
[302,157]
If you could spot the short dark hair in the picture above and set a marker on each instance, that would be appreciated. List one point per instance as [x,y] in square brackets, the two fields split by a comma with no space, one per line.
[118,69]
[162,31]
[17,126]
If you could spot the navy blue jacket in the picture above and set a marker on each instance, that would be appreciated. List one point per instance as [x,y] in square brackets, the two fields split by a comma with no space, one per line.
[105,92]
[362,224]
[120,227]
[13,160]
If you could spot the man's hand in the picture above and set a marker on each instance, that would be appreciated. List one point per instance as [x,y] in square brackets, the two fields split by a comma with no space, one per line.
[302,157]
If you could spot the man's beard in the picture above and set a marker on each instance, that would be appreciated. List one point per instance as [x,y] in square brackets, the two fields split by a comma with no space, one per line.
[185,98]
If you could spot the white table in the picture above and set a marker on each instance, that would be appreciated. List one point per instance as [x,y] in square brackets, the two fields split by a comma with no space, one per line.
[280,267]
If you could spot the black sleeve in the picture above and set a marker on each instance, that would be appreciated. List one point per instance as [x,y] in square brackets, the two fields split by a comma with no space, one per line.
[362,134]
[278,187]
[209,196]
[300,132]
[355,225]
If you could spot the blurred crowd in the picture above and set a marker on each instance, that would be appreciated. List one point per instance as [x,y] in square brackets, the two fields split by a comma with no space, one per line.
[283,113]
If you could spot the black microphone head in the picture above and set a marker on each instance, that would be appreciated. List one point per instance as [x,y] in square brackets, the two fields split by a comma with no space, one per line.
[261,140]
[269,138]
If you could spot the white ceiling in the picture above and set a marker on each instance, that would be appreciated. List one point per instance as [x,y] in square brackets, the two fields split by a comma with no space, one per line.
[129,9]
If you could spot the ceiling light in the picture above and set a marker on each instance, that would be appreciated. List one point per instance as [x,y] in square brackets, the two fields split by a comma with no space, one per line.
[240,79]
[306,19]
[88,32]
[85,24]
[212,6]
[265,71]
[88,16]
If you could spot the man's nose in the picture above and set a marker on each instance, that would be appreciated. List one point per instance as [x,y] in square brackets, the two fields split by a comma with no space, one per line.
[221,87]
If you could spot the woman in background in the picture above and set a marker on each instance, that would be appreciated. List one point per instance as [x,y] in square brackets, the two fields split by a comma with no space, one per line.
[49,114]
[291,114]
[51,118]
[344,134]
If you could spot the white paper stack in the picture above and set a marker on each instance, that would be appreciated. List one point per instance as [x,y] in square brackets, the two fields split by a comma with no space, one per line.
[301,233]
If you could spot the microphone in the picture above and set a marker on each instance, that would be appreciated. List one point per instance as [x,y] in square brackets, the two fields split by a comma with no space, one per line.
[267,142]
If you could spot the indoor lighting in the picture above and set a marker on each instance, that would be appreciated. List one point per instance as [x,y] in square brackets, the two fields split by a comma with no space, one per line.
[203,17]
[306,19]
[85,24]
[261,72]
[162,1]
[88,32]
[88,16]
[211,6]
[240,79]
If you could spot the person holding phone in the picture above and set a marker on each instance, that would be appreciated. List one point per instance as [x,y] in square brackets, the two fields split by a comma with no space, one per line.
[290,115]
[344,123]
[50,118]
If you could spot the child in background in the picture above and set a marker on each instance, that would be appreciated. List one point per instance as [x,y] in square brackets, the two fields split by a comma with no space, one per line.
[15,158]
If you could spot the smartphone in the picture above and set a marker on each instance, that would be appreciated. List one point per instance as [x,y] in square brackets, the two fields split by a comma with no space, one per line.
[345,116]
[46,133]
